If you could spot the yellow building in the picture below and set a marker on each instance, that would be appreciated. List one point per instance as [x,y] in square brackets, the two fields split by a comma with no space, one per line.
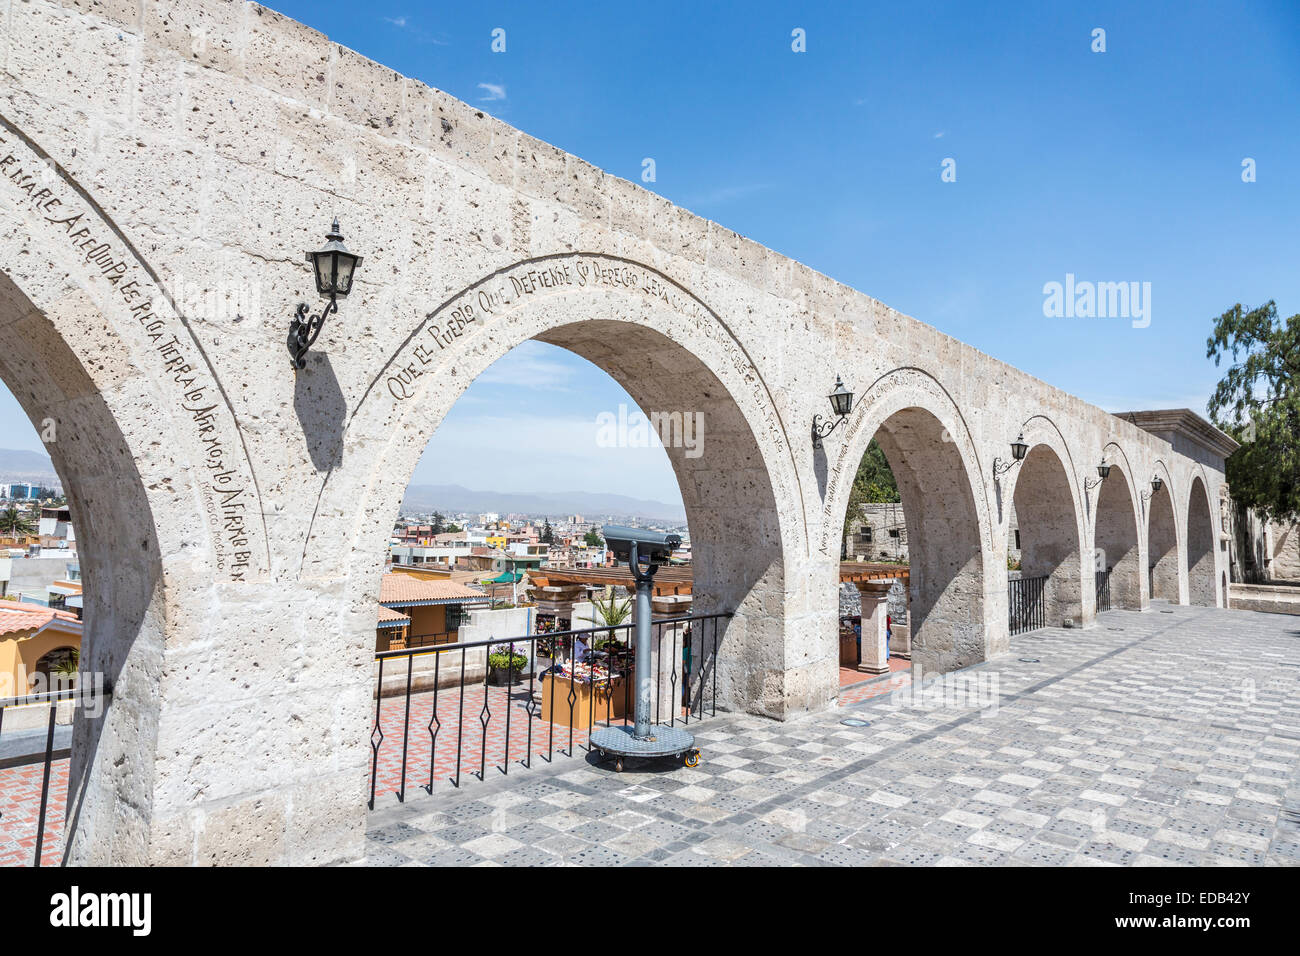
[419,607]
[496,541]
[34,640]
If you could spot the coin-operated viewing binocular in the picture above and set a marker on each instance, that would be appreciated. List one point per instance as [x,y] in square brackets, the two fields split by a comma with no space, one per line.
[656,547]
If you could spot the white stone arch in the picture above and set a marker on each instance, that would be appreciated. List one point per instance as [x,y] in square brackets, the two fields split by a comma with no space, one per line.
[672,353]
[98,356]
[1052,523]
[1117,533]
[1165,554]
[1201,538]
[958,600]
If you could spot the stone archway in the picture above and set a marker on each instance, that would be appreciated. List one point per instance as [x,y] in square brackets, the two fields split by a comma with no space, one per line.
[1201,537]
[1162,545]
[955,617]
[1117,546]
[672,354]
[1048,524]
[119,554]
[157,475]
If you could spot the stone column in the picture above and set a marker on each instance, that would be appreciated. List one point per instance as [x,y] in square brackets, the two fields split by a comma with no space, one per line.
[900,643]
[559,600]
[666,664]
[875,608]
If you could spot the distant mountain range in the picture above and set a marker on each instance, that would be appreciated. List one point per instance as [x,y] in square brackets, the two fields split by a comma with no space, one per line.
[20,465]
[448,498]
[17,464]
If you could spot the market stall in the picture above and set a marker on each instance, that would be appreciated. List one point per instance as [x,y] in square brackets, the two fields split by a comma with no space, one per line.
[598,695]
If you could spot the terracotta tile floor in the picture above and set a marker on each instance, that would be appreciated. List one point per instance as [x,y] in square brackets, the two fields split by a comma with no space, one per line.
[20,807]
[851,675]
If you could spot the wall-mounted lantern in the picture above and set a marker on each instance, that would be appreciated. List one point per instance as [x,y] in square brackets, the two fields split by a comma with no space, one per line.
[1156,484]
[841,404]
[1103,472]
[1018,451]
[334,269]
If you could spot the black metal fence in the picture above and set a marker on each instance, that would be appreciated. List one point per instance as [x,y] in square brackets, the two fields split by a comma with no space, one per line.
[1025,604]
[29,750]
[1103,590]
[531,688]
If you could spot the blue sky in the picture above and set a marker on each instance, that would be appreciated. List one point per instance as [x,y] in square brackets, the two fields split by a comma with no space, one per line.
[1115,166]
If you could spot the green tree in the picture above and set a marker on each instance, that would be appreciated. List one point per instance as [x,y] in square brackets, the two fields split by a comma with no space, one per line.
[1258,403]
[874,483]
[453,528]
[438,526]
[15,522]
[548,533]
[593,538]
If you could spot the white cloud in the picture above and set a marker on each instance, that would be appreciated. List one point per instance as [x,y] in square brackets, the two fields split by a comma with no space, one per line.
[519,368]
[1147,401]
[518,452]
[414,32]
[494,91]
[725,194]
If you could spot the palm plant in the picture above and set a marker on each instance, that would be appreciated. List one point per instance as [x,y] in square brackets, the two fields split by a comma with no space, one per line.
[67,667]
[610,611]
[16,523]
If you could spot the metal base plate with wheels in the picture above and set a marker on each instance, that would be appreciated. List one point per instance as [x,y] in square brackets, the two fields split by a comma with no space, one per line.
[664,741]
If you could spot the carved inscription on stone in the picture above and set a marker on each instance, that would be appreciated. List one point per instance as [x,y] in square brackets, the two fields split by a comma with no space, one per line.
[231,503]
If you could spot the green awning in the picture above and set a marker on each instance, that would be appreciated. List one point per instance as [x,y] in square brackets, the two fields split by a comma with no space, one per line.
[507,577]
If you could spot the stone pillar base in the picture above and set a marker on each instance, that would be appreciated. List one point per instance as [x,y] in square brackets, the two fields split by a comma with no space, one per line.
[875,608]
[900,645]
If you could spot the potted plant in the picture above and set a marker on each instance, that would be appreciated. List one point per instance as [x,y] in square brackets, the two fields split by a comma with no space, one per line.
[610,611]
[505,666]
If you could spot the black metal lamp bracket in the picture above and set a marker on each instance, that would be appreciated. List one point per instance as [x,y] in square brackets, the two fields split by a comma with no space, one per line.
[305,328]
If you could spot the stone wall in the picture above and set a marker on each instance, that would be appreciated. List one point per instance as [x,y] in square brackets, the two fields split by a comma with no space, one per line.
[166,164]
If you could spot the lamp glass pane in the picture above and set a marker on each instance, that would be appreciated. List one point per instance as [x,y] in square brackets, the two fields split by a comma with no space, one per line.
[345,264]
[324,268]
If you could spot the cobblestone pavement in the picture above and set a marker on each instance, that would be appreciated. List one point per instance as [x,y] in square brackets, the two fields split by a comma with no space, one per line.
[1166,737]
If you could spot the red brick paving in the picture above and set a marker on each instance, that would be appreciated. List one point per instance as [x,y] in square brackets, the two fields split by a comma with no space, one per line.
[900,676]
[851,675]
[20,807]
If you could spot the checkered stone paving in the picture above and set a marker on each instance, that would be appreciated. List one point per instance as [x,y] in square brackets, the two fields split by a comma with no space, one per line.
[1150,739]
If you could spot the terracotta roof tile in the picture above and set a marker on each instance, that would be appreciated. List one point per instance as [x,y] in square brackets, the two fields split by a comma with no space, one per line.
[15,616]
[388,615]
[397,588]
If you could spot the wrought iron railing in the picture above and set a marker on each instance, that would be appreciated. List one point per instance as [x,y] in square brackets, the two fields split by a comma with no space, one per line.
[1025,604]
[438,712]
[1103,590]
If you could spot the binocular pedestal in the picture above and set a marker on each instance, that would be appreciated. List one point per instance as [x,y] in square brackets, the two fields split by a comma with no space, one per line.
[643,738]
